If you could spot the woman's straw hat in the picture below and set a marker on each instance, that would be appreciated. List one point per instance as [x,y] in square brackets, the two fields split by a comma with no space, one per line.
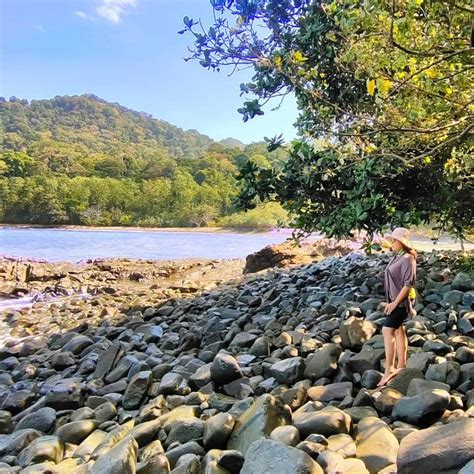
[402,235]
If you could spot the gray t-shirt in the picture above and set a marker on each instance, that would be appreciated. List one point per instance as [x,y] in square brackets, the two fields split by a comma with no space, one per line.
[400,272]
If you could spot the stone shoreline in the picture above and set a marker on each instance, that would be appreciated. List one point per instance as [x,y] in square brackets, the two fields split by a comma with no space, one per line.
[268,372]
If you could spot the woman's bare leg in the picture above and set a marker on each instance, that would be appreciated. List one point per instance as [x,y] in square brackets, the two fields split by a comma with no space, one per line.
[389,343]
[401,343]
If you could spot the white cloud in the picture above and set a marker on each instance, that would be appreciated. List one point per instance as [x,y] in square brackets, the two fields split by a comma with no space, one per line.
[80,14]
[112,10]
[40,28]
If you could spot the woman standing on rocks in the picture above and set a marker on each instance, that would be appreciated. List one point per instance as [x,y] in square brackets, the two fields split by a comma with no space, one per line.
[400,276]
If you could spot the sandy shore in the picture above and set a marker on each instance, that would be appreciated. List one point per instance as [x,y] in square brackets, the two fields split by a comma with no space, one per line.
[190,230]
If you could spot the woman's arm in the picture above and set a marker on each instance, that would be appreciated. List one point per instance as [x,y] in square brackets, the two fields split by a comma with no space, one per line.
[402,296]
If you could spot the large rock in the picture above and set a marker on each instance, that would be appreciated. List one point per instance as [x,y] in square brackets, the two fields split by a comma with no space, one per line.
[258,421]
[323,363]
[439,449]
[402,380]
[271,457]
[87,447]
[366,359]
[462,281]
[182,431]
[418,386]
[286,434]
[224,369]
[376,445]
[46,448]
[76,431]
[122,459]
[277,255]
[77,344]
[217,431]
[327,422]
[41,420]
[112,439]
[333,391]
[137,389]
[12,444]
[355,332]
[288,371]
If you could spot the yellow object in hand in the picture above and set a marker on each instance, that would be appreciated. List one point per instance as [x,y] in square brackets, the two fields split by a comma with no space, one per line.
[412,294]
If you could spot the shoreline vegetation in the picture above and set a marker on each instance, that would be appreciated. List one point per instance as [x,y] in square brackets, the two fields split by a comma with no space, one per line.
[191,230]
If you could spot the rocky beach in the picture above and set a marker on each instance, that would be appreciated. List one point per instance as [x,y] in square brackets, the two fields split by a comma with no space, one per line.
[228,366]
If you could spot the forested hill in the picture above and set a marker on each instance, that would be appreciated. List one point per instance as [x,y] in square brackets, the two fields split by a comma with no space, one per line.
[95,125]
[83,160]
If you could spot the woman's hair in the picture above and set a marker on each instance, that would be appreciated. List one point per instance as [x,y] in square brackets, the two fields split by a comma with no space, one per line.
[409,250]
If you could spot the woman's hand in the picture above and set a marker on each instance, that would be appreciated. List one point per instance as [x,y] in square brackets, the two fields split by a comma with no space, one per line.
[390,307]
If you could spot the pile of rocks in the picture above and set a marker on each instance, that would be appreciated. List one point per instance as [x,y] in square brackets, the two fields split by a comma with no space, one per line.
[276,374]
[20,277]
[289,253]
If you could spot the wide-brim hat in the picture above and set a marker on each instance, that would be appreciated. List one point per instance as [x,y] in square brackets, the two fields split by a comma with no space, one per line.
[402,235]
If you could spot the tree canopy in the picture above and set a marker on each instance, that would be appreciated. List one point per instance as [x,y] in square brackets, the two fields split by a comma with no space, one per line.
[384,89]
[82,160]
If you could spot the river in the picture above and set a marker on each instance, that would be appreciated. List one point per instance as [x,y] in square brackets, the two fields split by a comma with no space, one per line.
[75,245]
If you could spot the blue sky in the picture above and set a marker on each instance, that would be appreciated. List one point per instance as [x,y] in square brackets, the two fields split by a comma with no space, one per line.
[126,51]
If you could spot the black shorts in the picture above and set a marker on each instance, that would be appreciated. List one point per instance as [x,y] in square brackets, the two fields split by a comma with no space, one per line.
[396,318]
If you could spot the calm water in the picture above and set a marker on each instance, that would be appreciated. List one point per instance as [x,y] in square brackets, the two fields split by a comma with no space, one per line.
[74,245]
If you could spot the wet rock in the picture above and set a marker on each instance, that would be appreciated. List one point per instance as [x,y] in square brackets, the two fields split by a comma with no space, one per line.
[448,372]
[66,395]
[370,378]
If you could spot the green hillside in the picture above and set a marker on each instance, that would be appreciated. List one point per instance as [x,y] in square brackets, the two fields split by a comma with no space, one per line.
[82,160]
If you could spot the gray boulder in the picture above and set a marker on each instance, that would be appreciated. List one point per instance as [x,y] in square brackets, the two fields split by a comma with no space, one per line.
[437,450]
[271,457]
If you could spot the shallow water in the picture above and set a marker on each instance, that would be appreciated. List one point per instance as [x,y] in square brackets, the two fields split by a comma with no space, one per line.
[75,245]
